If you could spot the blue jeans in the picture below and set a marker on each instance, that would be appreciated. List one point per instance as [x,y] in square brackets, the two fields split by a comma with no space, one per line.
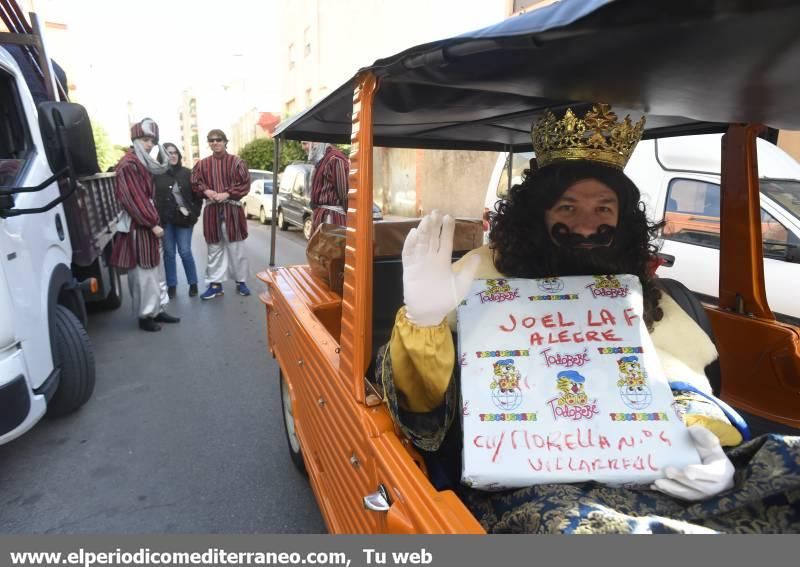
[179,237]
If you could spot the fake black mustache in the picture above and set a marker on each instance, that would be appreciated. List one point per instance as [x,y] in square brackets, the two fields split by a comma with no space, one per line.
[568,239]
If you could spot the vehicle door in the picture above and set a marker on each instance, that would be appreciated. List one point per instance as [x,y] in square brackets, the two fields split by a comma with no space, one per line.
[306,198]
[285,192]
[692,236]
[298,199]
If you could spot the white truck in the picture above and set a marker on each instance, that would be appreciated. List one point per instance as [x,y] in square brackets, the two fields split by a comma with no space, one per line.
[680,184]
[57,219]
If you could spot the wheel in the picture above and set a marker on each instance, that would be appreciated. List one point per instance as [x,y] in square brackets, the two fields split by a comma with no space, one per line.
[282,224]
[114,298]
[72,354]
[295,451]
[262,216]
[307,224]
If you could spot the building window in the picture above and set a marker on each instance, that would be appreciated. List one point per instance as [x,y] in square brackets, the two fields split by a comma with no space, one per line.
[291,56]
[307,42]
[290,106]
[308,97]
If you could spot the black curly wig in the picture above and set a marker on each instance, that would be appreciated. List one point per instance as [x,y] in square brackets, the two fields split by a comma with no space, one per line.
[523,247]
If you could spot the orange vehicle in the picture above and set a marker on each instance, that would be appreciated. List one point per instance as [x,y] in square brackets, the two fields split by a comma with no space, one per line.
[688,70]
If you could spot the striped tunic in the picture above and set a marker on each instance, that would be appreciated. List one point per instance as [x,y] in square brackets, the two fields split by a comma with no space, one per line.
[226,174]
[133,186]
[329,187]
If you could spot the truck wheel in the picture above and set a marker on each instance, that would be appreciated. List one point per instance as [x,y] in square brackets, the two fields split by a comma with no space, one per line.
[307,224]
[295,451]
[114,298]
[72,353]
[282,224]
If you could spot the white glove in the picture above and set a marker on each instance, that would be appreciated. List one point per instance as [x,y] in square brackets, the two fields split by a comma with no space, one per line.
[431,289]
[698,482]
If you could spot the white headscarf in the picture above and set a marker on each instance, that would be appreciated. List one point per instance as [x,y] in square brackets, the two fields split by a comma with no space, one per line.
[148,127]
[317,151]
[152,165]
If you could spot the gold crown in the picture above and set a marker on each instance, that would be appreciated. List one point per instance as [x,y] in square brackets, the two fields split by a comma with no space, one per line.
[597,137]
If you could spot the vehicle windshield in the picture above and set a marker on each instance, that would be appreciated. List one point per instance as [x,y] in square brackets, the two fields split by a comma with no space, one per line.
[784,192]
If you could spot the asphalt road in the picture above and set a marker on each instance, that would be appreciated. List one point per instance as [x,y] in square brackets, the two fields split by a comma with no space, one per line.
[184,432]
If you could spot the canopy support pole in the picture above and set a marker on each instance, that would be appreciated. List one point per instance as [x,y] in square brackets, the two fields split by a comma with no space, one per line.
[273,232]
[356,333]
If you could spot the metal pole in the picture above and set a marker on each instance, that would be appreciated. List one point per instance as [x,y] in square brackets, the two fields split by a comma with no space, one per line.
[274,233]
[44,60]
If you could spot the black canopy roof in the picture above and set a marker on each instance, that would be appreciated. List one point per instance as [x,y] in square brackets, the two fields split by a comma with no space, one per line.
[690,66]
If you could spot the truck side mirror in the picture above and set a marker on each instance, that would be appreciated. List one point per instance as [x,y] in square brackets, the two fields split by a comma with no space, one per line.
[77,135]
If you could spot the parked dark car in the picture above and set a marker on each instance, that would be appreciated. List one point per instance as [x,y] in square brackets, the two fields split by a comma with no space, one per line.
[294,198]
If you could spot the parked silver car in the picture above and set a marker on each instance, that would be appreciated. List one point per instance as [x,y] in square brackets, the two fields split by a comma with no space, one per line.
[258,202]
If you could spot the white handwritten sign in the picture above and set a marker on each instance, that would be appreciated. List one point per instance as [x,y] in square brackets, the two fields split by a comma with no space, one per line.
[560,382]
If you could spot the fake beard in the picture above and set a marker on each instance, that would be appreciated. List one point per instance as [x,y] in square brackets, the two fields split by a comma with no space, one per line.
[573,257]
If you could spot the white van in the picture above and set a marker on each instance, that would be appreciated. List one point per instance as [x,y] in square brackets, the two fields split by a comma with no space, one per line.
[679,180]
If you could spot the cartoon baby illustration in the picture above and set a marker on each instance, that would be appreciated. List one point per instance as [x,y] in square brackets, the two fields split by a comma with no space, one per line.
[632,383]
[570,384]
[606,282]
[631,374]
[506,376]
[497,286]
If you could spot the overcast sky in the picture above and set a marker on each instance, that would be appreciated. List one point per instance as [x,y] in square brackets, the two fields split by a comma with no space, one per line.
[149,51]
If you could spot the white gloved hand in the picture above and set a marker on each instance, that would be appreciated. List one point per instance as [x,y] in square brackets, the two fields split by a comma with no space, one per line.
[431,289]
[697,482]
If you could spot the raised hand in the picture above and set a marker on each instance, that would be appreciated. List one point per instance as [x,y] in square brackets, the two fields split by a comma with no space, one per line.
[698,482]
[431,289]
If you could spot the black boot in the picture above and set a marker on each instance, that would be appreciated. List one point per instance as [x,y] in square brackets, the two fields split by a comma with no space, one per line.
[165,317]
[148,324]
[171,292]
[192,290]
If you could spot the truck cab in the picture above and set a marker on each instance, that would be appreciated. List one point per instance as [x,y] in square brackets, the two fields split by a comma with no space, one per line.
[55,233]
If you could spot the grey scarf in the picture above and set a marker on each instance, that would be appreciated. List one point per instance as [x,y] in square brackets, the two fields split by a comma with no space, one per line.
[317,152]
[147,160]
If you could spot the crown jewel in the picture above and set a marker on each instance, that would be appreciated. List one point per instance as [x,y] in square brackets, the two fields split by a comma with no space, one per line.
[599,136]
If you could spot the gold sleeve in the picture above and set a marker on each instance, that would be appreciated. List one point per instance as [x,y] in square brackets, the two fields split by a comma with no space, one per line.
[423,360]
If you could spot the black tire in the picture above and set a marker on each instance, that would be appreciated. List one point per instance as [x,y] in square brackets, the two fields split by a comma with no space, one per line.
[72,354]
[262,216]
[307,224]
[292,441]
[114,298]
[282,224]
